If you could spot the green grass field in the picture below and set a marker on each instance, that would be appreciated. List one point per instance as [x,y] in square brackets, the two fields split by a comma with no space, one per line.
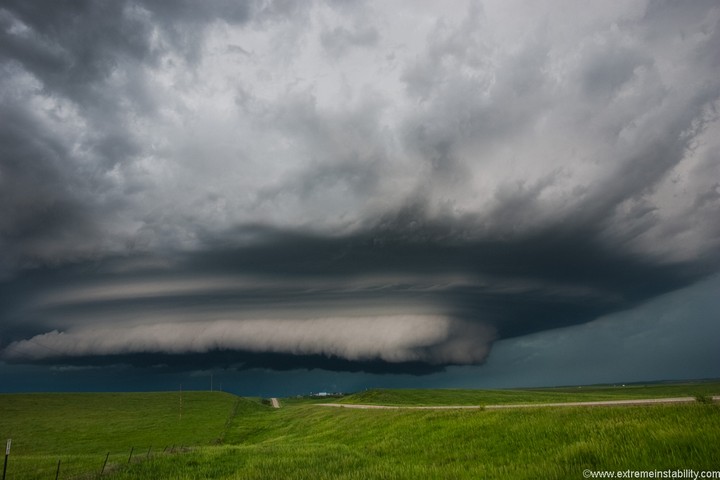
[233,438]
[535,395]
[81,428]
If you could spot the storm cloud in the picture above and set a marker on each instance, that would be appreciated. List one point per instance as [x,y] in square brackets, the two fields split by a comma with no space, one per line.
[347,185]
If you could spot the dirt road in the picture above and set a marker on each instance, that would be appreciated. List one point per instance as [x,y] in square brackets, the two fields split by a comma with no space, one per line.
[275,402]
[605,403]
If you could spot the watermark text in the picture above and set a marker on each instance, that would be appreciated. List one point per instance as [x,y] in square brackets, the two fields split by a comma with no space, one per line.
[669,473]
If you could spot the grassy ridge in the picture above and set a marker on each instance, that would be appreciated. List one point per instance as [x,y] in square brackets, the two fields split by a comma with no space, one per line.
[312,442]
[83,423]
[545,395]
[306,441]
[79,429]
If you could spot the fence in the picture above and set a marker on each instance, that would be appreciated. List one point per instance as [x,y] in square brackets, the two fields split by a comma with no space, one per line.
[81,466]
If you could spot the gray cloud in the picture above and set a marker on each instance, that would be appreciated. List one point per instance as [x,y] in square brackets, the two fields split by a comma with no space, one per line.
[279,292]
[558,163]
[390,339]
[340,39]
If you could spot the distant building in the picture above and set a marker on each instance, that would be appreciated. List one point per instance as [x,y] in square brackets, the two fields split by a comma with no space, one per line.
[327,394]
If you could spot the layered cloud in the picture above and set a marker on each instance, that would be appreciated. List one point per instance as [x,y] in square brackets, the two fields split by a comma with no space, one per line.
[391,339]
[493,168]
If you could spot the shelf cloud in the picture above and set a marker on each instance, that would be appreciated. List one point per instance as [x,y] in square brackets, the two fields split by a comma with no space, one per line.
[391,339]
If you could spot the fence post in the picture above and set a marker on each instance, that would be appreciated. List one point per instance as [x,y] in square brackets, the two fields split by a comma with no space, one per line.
[105,463]
[57,472]
[7,454]
[130,457]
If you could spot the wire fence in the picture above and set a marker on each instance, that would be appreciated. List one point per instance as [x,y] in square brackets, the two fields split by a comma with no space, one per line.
[82,466]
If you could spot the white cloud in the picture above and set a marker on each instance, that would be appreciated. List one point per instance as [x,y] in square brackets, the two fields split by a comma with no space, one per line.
[400,338]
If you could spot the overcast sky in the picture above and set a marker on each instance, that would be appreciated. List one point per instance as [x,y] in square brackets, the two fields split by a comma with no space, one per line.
[344,194]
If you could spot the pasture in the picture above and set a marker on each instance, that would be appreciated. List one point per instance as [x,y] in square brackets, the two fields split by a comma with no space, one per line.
[228,437]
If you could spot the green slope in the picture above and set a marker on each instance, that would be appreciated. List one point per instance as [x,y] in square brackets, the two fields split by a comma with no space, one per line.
[68,423]
[238,438]
[81,428]
[544,395]
[314,442]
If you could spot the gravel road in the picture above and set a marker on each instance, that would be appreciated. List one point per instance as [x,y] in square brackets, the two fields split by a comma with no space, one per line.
[605,403]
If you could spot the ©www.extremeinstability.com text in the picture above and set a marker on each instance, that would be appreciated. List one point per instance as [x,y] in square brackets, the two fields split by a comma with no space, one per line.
[677,473]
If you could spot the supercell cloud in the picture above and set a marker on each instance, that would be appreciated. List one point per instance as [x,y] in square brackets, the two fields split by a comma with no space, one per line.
[347,185]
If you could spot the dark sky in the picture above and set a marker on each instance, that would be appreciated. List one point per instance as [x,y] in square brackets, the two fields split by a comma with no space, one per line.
[335,195]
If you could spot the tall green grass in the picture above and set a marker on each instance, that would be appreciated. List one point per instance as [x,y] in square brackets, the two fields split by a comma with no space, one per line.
[313,442]
[537,395]
[82,423]
[79,429]
[234,438]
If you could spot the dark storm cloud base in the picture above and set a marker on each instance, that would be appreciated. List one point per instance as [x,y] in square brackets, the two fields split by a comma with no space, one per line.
[237,360]
[518,287]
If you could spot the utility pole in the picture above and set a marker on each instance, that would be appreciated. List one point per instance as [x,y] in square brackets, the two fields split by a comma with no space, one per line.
[181,401]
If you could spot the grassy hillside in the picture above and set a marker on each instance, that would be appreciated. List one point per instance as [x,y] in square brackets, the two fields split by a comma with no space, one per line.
[100,422]
[244,439]
[546,395]
[80,428]
[313,442]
